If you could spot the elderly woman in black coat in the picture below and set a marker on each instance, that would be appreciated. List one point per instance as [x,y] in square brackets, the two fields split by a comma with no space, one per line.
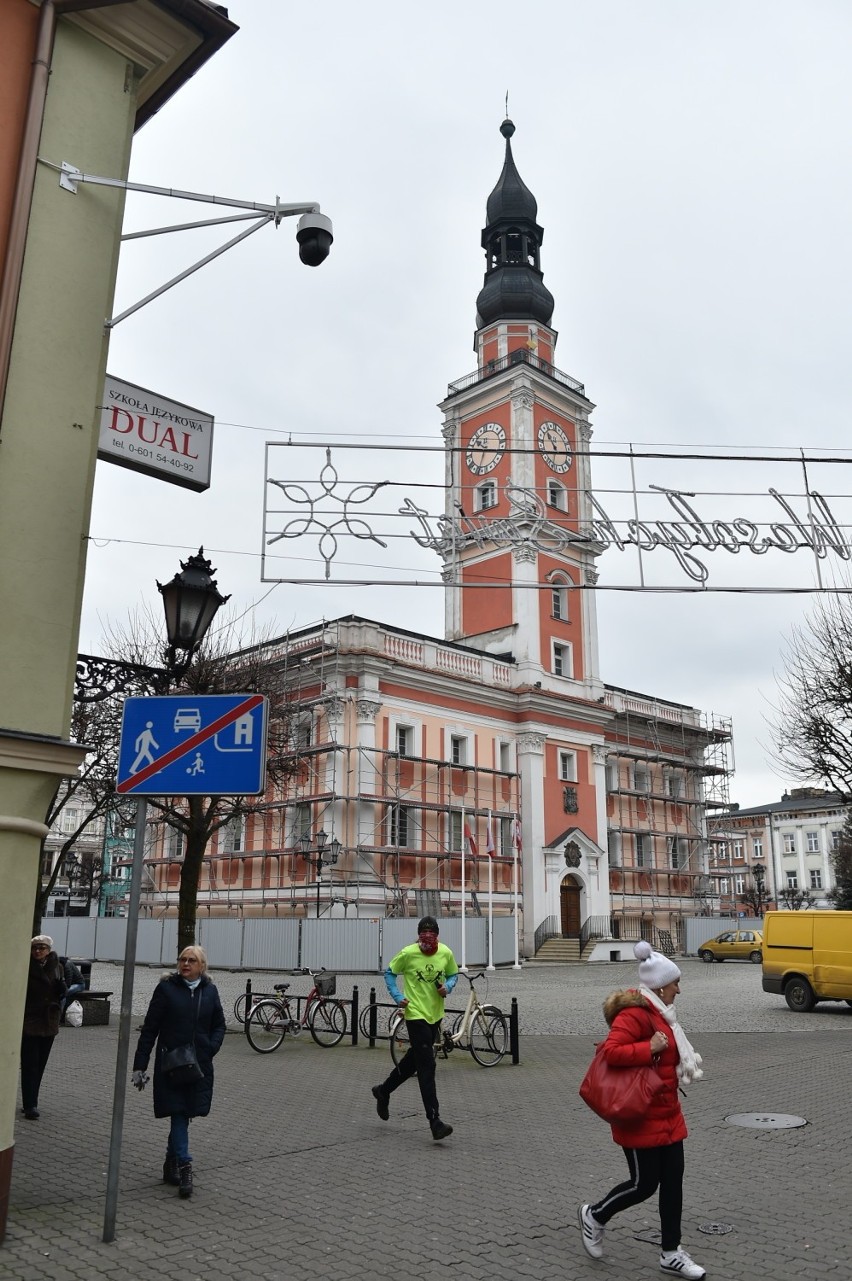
[184,1010]
[45,990]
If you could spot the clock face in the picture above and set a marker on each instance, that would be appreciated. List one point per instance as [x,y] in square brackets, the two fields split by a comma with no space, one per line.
[485,448]
[555,447]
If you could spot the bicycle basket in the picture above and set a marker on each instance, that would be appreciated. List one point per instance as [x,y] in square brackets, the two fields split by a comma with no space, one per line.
[326,984]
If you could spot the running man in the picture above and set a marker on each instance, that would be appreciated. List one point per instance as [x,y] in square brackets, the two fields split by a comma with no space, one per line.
[430,973]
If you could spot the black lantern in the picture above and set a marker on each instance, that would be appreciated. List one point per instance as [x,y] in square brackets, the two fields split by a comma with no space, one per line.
[190,602]
[313,849]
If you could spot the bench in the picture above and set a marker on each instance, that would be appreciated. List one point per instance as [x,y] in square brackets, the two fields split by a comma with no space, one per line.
[95,1007]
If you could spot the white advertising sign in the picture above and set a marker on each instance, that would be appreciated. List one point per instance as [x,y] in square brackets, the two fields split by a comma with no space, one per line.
[147,432]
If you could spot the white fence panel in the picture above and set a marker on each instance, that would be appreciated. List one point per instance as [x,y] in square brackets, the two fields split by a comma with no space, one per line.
[504,940]
[270,944]
[340,945]
[222,940]
[398,932]
[56,928]
[81,937]
[109,939]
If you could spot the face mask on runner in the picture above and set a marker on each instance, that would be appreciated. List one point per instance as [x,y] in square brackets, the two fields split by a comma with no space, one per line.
[428,941]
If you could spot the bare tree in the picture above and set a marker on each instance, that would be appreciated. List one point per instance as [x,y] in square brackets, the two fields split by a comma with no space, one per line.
[223,665]
[812,724]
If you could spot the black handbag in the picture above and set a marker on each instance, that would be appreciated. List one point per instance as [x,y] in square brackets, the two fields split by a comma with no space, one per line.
[181,1065]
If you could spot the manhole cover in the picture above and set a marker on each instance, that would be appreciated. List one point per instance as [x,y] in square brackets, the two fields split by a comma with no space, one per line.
[716,1229]
[766,1120]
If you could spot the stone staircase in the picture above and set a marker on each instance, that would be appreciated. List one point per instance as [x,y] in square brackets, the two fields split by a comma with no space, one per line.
[558,949]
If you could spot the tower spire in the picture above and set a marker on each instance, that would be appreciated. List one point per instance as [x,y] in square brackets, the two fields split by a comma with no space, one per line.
[514,287]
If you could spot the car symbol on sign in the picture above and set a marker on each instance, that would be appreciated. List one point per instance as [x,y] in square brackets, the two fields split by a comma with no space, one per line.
[187,718]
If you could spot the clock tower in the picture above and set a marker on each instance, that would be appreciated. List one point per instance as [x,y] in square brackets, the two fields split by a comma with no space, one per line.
[518,478]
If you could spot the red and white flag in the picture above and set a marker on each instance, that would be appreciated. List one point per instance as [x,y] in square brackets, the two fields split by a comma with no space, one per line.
[489,837]
[516,834]
[470,838]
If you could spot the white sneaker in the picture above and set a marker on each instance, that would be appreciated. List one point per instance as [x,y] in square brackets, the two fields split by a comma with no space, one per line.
[679,1262]
[592,1233]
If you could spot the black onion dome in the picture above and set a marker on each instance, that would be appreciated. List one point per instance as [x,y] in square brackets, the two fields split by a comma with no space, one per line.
[514,288]
[511,199]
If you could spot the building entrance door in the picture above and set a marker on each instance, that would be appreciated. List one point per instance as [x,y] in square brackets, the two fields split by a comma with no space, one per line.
[569,902]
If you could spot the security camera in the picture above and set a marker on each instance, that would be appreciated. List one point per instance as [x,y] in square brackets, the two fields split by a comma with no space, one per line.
[314,234]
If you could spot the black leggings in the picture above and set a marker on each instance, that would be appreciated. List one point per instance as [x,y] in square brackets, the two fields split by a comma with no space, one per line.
[35,1051]
[650,1168]
[419,1058]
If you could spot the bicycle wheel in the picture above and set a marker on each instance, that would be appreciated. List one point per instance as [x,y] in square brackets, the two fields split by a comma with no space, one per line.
[240,1008]
[381,1021]
[266,1026]
[327,1022]
[399,1042]
[489,1036]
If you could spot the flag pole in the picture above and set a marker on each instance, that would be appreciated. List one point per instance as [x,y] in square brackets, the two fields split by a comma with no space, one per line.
[463,966]
[489,850]
[515,842]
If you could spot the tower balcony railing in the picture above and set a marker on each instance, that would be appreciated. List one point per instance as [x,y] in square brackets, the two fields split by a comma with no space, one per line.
[521,356]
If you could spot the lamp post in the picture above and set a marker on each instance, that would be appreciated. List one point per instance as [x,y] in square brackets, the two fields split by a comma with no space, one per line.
[190,602]
[313,850]
[758,871]
[73,868]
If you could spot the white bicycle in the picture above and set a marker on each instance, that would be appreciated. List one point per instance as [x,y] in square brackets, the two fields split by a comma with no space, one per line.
[482,1029]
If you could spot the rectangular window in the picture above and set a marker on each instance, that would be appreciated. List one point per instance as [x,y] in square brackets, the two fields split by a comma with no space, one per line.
[70,819]
[561,660]
[723,885]
[303,736]
[739,884]
[789,842]
[404,738]
[757,848]
[641,778]
[556,495]
[486,496]
[611,776]
[835,838]
[816,878]
[643,849]
[812,839]
[674,785]
[174,843]
[505,757]
[613,842]
[559,603]
[671,841]
[455,832]
[792,881]
[458,750]
[301,822]
[568,767]
[400,826]
[738,849]
[504,837]
[232,836]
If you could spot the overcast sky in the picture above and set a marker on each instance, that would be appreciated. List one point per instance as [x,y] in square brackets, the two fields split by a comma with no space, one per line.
[691,166]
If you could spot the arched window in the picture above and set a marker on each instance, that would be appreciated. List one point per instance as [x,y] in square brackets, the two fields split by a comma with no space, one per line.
[486,496]
[559,598]
[557,495]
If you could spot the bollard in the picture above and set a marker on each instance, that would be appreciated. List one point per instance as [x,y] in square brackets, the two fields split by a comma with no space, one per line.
[514,1042]
[355,1015]
[248,1007]
[373,1024]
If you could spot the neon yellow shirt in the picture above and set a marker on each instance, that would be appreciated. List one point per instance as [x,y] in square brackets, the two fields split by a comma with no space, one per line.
[420,973]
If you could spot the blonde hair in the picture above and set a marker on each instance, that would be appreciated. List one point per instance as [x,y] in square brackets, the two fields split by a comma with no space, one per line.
[199,954]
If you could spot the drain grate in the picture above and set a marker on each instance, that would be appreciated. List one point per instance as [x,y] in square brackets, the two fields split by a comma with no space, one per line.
[766,1120]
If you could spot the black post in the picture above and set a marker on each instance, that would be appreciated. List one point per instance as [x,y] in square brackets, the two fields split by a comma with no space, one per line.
[248,1006]
[355,1015]
[514,1041]
[373,1024]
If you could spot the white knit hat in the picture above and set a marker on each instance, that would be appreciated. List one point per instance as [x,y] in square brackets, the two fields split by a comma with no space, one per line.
[655,970]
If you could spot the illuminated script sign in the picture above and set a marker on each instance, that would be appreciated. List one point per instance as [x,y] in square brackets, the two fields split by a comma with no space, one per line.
[675,531]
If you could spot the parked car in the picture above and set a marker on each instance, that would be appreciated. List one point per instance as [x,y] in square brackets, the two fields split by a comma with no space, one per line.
[733,945]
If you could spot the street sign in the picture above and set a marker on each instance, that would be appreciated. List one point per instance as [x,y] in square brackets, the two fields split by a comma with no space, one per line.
[193,745]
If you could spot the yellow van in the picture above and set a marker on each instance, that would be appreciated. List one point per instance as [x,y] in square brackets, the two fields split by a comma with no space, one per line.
[807,957]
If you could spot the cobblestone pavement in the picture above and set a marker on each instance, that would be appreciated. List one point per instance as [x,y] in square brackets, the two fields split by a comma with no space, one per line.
[297,1178]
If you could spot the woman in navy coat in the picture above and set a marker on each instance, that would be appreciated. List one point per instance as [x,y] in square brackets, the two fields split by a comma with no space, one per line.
[184,1010]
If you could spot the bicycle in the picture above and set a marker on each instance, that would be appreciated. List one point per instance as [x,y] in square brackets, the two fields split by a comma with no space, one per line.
[272,1017]
[482,1029]
[384,1016]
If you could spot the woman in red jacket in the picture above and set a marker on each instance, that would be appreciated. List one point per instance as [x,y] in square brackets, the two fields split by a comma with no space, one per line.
[643,1031]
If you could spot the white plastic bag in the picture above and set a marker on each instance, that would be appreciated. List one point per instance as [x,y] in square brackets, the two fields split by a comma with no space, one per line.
[74,1014]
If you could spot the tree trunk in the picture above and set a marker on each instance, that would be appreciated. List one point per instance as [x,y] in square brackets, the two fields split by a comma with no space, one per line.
[190,873]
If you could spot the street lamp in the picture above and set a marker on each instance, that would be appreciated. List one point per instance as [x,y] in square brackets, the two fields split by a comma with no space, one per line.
[313,849]
[758,871]
[73,869]
[190,602]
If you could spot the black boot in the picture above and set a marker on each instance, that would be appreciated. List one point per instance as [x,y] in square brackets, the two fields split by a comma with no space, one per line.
[171,1174]
[439,1129]
[185,1179]
[381,1095]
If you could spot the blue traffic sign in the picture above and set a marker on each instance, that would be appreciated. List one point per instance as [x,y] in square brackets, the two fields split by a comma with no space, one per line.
[193,745]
